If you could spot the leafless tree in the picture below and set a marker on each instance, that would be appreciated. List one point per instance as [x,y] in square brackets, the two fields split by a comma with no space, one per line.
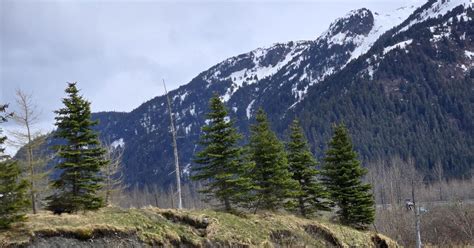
[113,171]
[175,151]
[28,139]
[446,223]
[439,174]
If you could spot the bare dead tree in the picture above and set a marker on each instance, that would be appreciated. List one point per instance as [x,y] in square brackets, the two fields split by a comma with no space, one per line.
[29,139]
[447,223]
[415,183]
[113,171]
[175,150]
[416,211]
[439,173]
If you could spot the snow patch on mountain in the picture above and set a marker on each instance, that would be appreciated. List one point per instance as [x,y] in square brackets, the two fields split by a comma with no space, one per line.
[382,23]
[248,110]
[469,54]
[300,94]
[249,68]
[187,129]
[118,143]
[259,71]
[338,34]
[399,45]
[363,42]
[186,170]
[440,32]
[183,96]
[438,8]
[361,38]
[192,110]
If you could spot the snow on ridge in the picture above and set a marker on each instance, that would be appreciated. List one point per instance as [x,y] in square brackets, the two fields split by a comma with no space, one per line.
[258,72]
[261,71]
[342,21]
[382,23]
[439,8]
[339,38]
[256,55]
[400,45]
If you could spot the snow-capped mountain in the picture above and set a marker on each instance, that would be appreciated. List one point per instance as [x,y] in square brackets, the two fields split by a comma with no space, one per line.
[311,61]
[410,95]
[315,81]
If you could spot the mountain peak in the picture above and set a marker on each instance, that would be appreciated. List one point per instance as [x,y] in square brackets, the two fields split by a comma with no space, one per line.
[356,22]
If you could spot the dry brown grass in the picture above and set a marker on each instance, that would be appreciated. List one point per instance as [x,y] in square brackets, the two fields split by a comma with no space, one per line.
[155,226]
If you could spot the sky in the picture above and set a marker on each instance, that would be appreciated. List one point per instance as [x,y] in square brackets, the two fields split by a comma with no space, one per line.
[119,51]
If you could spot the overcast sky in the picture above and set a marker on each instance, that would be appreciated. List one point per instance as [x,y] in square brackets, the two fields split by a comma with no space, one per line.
[119,51]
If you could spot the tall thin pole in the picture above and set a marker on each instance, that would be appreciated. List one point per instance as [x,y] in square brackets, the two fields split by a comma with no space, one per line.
[417,216]
[175,149]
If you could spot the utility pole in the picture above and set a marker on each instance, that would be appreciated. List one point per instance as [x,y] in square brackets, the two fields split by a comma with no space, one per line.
[175,150]
[417,216]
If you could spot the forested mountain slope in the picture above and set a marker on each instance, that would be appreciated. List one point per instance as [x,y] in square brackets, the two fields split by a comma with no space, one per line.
[402,82]
[412,94]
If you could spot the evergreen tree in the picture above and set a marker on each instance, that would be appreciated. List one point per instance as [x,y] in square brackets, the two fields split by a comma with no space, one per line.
[13,190]
[274,185]
[80,157]
[312,196]
[223,166]
[342,173]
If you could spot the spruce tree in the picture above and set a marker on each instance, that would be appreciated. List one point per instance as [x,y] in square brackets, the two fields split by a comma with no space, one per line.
[342,173]
[223,166]
[312,196]
[80,157]
[13,189]
[274,185]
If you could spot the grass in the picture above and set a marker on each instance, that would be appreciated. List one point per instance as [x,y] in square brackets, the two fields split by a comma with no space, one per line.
[168,227]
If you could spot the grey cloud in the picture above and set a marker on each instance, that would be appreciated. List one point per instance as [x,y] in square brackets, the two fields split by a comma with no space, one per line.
[118,51]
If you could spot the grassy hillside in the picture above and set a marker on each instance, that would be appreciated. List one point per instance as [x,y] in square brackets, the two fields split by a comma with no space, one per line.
[113,227]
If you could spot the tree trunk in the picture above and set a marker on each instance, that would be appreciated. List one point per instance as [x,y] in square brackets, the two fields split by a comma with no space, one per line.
[175,152]
[227,204]
[302,208]
[417,217]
